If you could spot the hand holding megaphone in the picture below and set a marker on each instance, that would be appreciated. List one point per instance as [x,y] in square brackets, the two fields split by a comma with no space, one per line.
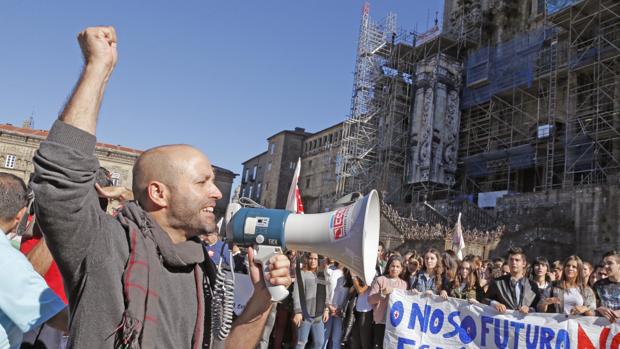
[271,270]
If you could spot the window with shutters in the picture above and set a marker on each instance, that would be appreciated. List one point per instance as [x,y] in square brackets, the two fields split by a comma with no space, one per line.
[9,162]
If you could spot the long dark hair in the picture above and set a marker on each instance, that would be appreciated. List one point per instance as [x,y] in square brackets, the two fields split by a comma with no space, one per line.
[437,273]
[579,279]
[392,259]
[450,264]
[472,281]
[407,274]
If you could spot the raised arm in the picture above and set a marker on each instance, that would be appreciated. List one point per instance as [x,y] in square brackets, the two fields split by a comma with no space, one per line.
[99,49]
[358,285]
[66,203]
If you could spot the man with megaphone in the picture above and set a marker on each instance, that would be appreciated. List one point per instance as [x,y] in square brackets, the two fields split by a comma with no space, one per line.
[140,280]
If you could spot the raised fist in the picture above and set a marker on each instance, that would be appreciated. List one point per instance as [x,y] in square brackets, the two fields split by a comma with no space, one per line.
[98,46]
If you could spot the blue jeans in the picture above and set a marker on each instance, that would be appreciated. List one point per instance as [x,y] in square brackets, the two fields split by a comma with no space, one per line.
[317,328]
[333,332]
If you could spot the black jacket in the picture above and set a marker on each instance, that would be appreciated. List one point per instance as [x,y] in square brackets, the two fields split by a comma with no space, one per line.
[501,290]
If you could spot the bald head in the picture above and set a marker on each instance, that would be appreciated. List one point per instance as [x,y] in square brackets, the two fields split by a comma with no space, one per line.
[163,164]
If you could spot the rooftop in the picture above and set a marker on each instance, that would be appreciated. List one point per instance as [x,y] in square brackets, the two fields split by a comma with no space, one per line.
[297,131]
[42,134]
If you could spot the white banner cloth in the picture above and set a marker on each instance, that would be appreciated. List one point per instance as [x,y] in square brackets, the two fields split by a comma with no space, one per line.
[428,322]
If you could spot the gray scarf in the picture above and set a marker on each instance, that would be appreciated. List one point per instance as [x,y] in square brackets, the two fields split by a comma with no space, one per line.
[148,243]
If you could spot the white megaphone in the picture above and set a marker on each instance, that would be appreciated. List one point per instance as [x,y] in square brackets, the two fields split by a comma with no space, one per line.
[349,235]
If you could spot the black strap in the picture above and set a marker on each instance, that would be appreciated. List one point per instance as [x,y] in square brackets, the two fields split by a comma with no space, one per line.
[38,333]
[320,294]
[208,280]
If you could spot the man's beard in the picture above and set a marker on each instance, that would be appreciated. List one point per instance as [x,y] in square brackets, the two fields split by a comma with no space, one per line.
[188,219]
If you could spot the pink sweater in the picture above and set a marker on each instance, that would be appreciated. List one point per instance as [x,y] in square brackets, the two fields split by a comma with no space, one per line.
[379,303]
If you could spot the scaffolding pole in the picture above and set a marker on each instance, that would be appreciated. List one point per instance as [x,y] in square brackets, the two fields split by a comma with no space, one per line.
[359,144]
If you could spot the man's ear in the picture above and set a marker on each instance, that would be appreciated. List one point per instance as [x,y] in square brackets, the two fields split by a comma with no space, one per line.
[158,193]
[18,217]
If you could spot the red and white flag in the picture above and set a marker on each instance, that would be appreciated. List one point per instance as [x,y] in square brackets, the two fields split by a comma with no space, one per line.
[458,243]
[293,202]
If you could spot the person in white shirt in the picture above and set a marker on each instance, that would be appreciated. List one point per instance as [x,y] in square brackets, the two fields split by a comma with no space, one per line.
[337,295]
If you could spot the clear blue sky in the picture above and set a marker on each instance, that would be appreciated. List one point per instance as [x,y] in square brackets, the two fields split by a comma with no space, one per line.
[220,75]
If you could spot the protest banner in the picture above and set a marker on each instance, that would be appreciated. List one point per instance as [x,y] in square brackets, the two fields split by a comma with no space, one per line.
[428,322]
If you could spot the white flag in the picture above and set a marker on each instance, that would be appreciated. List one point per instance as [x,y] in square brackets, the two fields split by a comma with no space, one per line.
[293,202]
[458,243]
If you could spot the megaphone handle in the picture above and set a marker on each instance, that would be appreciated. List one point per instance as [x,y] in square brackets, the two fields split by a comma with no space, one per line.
[262,255]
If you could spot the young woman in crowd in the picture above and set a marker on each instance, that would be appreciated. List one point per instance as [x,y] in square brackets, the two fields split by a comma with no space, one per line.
[466,284]
[318,312]
[569,295]
[476,262]
[556,270]
[485,274]
[540,273]
[450,265]
[406,257]
[413,265]
[430,278]
[380,290]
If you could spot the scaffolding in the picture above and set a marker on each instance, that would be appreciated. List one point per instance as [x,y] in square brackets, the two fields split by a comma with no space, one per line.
[542,110]
[538,111]
[359,141]
[376,137]
[593,125]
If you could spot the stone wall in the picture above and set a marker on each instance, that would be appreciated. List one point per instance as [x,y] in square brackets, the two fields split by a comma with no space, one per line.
[407,234]
[558,223]
[317,180]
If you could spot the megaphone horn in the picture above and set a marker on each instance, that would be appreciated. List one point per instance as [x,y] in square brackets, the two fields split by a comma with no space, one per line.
[349,234]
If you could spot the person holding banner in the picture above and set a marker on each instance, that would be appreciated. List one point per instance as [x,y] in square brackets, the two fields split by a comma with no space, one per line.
[380,290]
[513,291]
[569,295]
[608,290]
[431,279]
[466,284]
[541,276]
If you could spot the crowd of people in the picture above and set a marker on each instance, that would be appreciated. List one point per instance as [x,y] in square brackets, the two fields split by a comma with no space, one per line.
[341,311]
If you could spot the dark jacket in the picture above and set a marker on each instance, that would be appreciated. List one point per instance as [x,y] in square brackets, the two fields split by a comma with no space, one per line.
[501,290]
